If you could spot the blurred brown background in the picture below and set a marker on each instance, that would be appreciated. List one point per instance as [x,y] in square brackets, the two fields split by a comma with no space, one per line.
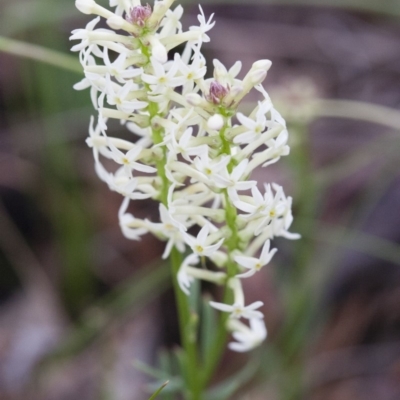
[79,303]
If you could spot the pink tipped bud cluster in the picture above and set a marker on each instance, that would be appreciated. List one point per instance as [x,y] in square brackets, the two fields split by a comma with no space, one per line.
[192,151]
[138,15]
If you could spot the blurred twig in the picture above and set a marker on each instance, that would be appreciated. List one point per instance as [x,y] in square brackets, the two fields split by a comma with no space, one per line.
[386,7]
[357,159]
[359,110]
[39,53]
[360,241]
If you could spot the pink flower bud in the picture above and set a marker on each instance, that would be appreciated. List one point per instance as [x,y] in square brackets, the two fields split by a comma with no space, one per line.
[217,92]
[139,15]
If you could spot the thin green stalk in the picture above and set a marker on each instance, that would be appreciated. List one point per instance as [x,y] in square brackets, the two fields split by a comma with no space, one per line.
[39,53]
[232,243]
[187,320]
[188,331]
[218,347]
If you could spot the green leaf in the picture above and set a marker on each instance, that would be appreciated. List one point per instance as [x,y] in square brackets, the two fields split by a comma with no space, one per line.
[157,392]
[208,326]
[175,385]
[169,370]
[194,296]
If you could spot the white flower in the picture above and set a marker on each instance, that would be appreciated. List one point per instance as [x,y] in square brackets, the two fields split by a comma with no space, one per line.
[269,205]
[225,77]
[119,98]
[127,186]
[191,72]
[171,23]
[84,36]
[128,159]
[88,83]
[254,128]
[118,69]
[126,220]
[144,134]
[170,229]
[204,27]
[183,146]
[255,264]
[187,273]
[200,244]
[233,180]
[95,141]
[210,168]
[184,279]
[277,148]
[162,79]
[247,338]
[238,310]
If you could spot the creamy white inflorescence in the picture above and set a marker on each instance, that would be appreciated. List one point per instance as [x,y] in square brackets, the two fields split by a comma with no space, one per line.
[193,151]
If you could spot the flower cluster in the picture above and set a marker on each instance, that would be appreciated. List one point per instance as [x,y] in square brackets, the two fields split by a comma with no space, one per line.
[192,150]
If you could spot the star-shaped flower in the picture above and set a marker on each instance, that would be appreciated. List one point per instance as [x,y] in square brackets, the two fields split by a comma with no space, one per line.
[255,264]
[128,159]
[233,180]
[254,128]
[200,245]
[239,310]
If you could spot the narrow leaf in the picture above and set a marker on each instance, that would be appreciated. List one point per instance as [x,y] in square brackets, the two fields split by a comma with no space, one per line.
[157,392]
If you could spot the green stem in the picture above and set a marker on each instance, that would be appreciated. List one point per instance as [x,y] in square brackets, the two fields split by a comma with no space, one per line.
[39,53]
[187,319]
[216,351]
[188,330]
[232,243]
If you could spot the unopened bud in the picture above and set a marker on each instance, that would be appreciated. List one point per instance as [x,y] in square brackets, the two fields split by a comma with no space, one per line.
[160,8]
[262,64]
[158,50]
[257,76]
[85,6]
[235,90]
[217,92]
[115,22]
[139,15]
[216,122]
[219,69]
[194,99]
